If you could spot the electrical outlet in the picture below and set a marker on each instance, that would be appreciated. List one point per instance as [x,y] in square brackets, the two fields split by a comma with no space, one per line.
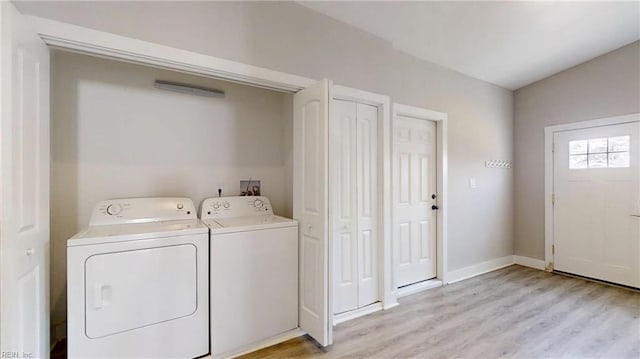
[220,188]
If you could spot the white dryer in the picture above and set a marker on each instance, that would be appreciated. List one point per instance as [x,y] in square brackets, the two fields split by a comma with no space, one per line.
[254,274]
[138,281]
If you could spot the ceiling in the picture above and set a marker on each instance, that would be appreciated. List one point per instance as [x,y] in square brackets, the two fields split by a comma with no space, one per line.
[509,43]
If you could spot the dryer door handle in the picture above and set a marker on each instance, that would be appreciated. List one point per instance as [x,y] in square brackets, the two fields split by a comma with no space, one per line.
[101,295]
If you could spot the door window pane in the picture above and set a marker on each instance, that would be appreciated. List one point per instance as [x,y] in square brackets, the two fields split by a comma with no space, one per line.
[578,147]
[619,159]
[619,144]
[598,145]
[598,160]
[577,161]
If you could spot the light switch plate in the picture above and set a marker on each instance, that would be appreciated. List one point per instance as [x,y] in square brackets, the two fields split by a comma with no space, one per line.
[472,183]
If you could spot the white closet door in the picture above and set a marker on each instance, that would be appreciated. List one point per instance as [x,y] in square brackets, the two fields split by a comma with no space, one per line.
[24,187]
[343,205]
[367,203]
[415,183]
[596,215]
[310,207]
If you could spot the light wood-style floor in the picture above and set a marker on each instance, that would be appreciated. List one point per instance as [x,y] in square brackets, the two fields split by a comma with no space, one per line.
[515,312]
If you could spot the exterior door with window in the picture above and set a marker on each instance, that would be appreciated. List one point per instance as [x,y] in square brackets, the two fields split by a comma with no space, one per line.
[596,213]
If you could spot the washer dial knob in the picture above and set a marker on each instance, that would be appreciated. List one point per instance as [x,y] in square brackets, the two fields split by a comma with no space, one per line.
[226,204]
[216,205]
[114,209]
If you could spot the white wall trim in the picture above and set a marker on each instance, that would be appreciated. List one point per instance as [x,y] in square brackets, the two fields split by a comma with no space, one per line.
[478,269]
[388,291]
[529,262]
[419,287]
[548,171]
[84,40]
[441,182]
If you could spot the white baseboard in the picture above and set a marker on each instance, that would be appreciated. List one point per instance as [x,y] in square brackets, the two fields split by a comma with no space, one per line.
[419,287]
[277,339]
[389,305]
[356,313]
[529,262]
[477,269]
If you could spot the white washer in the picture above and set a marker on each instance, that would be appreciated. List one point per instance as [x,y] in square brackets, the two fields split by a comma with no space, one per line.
[254,273]
[138,281]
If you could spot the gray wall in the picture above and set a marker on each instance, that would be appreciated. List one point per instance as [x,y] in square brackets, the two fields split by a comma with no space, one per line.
[606,86]
[287,37]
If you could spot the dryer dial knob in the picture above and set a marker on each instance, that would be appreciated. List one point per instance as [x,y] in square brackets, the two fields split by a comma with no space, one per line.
[216,205]
[114,209]
[258,203]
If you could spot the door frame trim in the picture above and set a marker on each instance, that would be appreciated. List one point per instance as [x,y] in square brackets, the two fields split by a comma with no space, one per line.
[387,293]
[442,231]
[80,39]
[549,131]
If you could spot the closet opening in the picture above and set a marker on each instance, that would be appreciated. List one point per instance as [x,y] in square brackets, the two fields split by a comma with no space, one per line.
[114,135]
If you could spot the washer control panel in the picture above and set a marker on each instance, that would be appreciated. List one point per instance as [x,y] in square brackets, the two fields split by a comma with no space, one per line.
[142,210]
[235,206]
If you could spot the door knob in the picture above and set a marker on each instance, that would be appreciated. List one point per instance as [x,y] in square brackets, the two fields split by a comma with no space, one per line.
[435,208]
[29,252]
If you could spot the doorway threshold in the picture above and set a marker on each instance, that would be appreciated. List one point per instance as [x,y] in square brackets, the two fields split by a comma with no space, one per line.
[356,313]
[419,287]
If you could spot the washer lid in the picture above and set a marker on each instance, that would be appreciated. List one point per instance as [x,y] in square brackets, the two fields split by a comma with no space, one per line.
[136,231]
[249,223]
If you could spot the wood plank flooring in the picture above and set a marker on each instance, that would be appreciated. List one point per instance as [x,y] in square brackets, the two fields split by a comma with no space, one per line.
[515,312]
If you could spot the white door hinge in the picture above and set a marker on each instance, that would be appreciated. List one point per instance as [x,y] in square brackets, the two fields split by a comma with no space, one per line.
[553,198]
[553,249]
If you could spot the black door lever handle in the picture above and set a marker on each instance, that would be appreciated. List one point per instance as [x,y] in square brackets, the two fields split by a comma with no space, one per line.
[435,208]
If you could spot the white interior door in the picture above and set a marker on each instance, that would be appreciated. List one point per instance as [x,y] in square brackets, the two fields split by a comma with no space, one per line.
[343,205]
[367,203]
[354,203]
[596,214]
[24,188]
[414,172]
[310,207]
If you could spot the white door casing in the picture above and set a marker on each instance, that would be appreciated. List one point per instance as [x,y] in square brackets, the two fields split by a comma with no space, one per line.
[24,188]
[595,228]
[310,208]
[414,171]
[354,203]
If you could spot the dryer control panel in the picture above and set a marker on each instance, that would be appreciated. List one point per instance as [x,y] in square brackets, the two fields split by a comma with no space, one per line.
[235,206]
[142,210]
